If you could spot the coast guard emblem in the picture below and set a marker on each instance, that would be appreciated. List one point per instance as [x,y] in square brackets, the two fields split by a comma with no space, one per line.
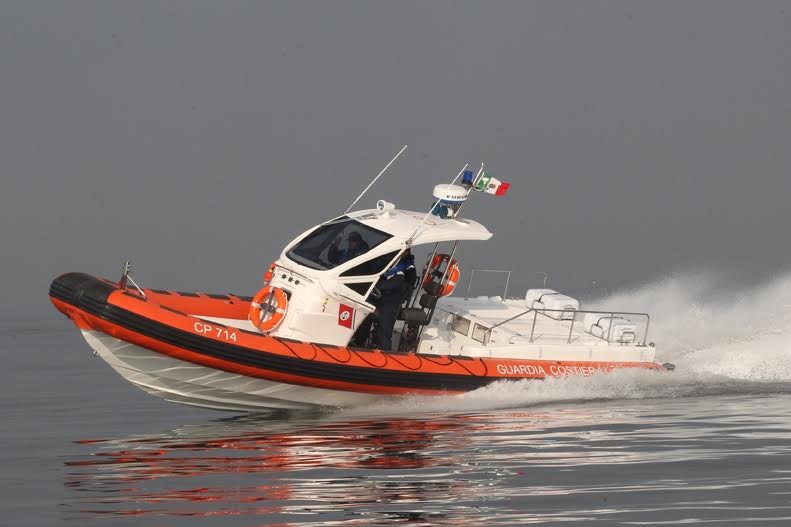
[346,316]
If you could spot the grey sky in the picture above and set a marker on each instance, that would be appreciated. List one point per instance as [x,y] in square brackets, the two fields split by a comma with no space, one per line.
[641,138]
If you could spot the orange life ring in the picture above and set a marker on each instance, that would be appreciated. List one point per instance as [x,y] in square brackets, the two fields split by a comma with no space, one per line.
[268,308]
[451,274]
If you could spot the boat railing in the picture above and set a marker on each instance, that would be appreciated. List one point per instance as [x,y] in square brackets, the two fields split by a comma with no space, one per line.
[506,272]
[641,320]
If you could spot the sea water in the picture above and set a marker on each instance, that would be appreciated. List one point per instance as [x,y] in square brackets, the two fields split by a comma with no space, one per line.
[708,443]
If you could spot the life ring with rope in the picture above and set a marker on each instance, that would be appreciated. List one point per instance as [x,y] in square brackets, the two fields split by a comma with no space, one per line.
[451,273]
[268,308]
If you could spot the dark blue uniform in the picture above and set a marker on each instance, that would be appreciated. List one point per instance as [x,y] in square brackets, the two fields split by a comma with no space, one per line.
[395,285]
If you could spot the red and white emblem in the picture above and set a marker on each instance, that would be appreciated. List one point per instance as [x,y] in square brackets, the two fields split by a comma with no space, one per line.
[346,316]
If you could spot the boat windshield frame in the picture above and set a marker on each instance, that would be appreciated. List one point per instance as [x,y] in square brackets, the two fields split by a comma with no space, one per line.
[318,250]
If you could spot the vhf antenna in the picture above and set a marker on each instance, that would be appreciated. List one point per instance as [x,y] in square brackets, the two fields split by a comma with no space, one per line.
[374,180]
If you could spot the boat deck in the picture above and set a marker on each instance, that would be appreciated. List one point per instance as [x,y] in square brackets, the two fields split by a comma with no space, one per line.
[529,327]
[491,326]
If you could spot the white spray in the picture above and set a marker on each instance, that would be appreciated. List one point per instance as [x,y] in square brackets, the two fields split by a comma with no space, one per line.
[723,342]
[704,327]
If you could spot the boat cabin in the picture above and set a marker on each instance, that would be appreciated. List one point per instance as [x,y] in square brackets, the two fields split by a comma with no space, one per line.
[327,281]
[330,271]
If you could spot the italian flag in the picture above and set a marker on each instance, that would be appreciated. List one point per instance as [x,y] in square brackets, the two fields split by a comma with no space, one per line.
[492,185]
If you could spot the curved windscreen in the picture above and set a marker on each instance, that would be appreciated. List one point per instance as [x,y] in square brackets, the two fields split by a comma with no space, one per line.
[335,243]
[373,266]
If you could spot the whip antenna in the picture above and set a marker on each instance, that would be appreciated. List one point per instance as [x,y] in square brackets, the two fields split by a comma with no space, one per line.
[374,180]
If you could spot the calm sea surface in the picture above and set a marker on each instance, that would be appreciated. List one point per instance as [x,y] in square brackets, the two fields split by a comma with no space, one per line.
[80,446]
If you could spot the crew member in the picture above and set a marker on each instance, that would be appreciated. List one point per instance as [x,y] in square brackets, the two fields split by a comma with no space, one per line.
[355,246]
[396,286]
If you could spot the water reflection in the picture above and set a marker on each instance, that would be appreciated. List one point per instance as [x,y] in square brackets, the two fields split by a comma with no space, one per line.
[267,466]
[585,462]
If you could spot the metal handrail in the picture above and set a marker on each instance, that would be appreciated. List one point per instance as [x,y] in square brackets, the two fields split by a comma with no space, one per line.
[609,314]
[441,281]
[507,278]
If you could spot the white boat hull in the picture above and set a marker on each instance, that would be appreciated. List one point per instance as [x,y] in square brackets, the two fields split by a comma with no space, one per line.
[186,383]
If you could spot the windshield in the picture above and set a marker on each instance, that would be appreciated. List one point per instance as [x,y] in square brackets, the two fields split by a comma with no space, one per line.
[335,243]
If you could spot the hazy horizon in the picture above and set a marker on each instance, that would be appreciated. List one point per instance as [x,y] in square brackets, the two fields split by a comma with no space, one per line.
[197,138]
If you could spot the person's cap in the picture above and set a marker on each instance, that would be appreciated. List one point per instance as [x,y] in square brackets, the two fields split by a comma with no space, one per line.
[354,235]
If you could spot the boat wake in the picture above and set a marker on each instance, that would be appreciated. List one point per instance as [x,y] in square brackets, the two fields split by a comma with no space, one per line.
[733,343]
[740,334]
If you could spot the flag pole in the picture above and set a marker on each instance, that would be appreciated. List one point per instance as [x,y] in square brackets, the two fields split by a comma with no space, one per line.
[472,187]
[374,180]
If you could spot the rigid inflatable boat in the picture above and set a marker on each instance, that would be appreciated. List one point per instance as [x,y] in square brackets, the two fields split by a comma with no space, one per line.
[304,340]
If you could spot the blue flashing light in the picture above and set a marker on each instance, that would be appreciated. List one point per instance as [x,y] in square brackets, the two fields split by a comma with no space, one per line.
[466,178]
